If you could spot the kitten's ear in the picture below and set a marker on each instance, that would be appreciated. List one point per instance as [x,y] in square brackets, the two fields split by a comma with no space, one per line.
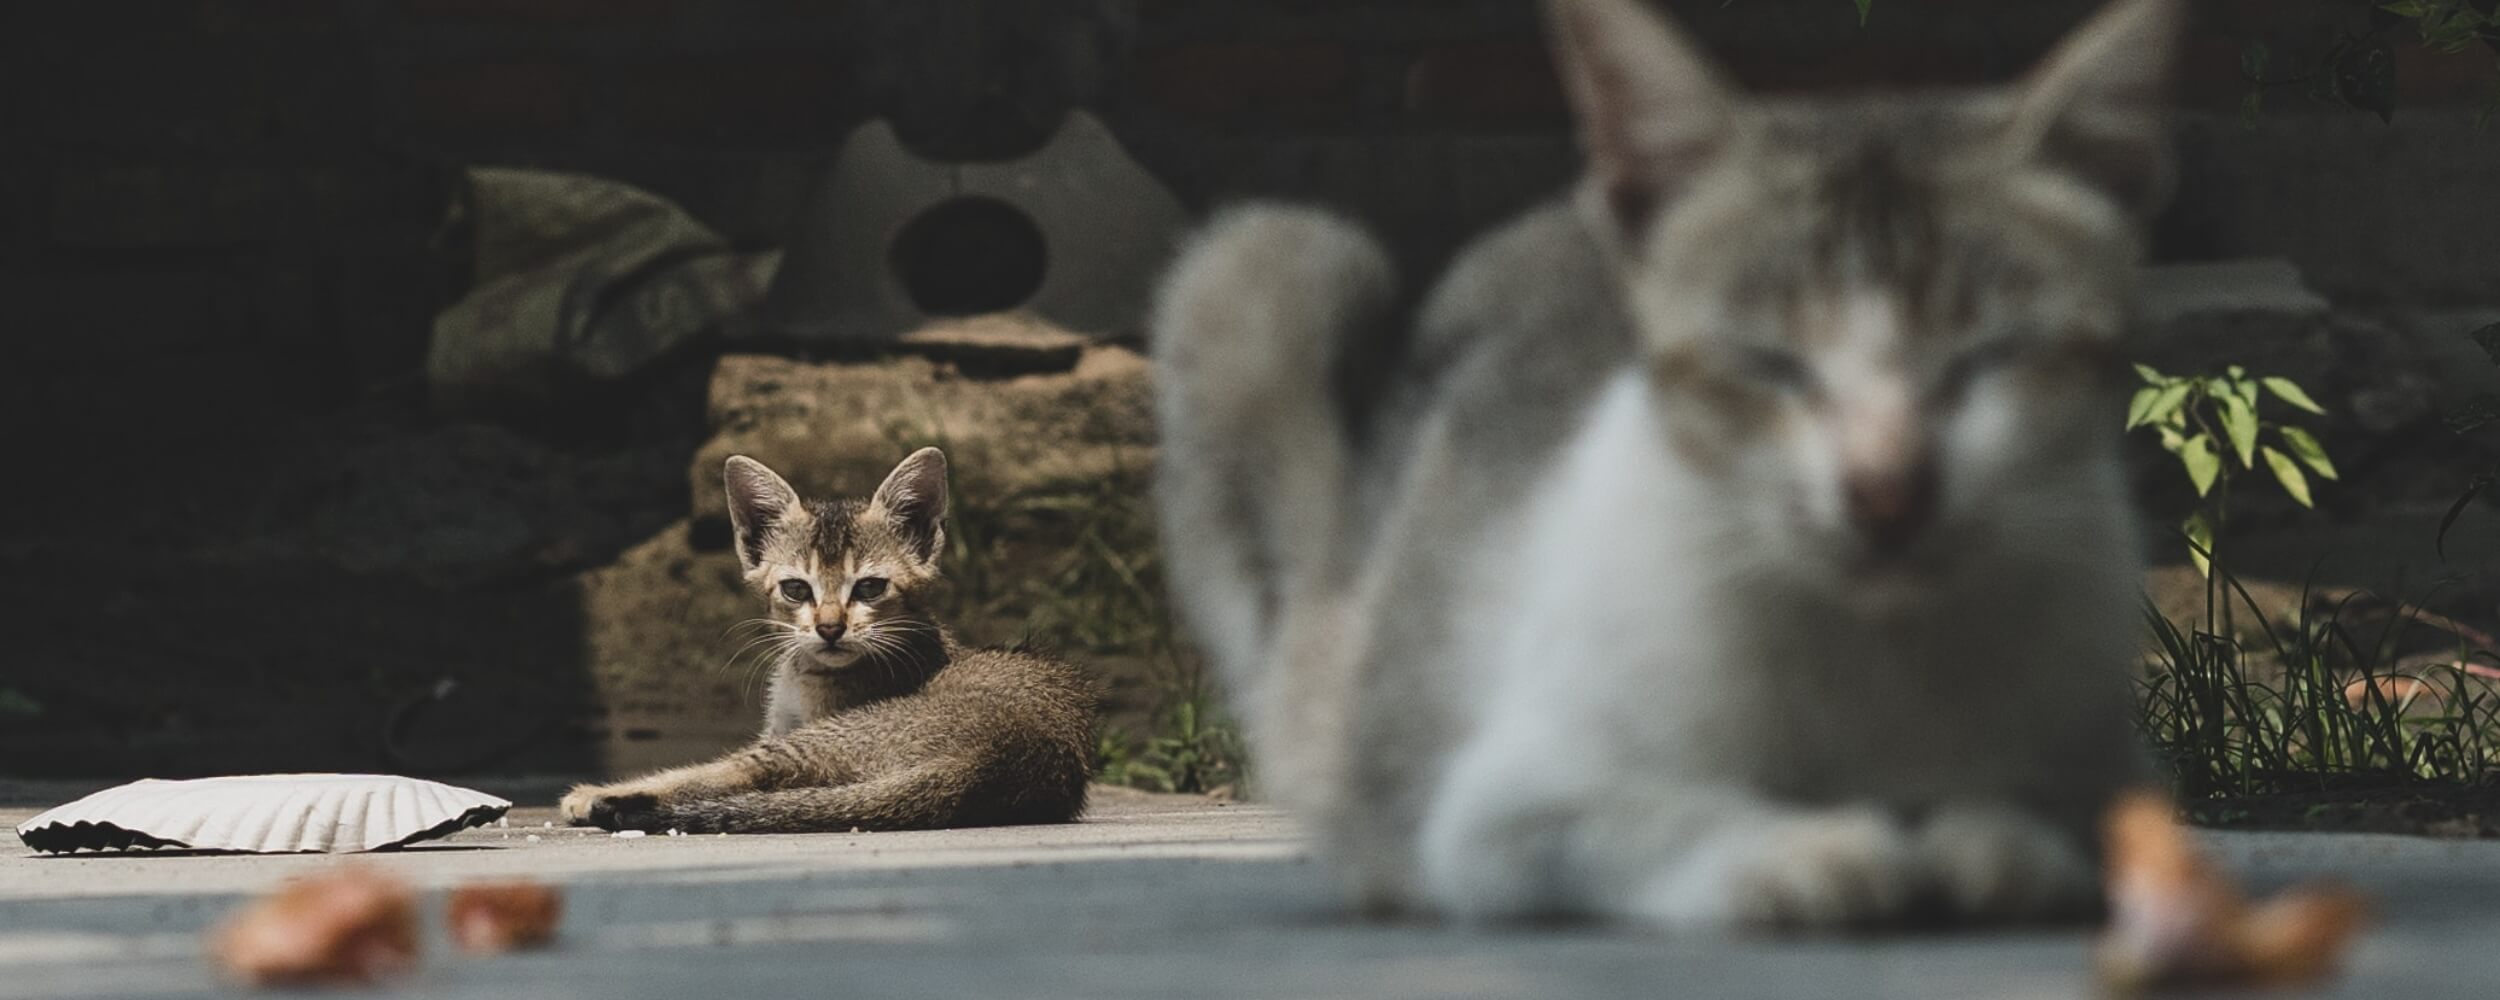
[759,501]
[1652,109]
[2097,106]
[914,498]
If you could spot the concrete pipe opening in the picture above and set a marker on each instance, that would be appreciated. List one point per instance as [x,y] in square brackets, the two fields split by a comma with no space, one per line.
[968,256]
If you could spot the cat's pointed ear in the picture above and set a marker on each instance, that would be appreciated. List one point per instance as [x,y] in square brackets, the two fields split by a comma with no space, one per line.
[2096,107]
[914,499]
[1652,109]
[759,502]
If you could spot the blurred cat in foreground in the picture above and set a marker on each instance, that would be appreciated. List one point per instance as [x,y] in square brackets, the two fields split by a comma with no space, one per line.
[1739,540]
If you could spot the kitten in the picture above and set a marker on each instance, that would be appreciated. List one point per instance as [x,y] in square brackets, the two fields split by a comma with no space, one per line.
[877,719]
[1740,541]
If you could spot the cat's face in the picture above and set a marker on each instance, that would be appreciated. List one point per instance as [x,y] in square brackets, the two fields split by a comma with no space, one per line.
[847,579]
[1884,332]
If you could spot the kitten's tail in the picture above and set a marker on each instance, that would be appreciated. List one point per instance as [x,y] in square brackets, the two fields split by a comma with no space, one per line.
[1257,327]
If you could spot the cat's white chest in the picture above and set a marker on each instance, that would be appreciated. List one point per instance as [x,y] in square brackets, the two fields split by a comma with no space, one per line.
[791,702]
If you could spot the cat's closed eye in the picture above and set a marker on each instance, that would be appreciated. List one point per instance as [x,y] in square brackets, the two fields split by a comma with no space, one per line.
[1775,368]
[868,589]
[1986,357]
[797,591]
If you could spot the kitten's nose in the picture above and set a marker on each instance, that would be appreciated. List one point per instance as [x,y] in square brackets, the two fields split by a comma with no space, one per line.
[830,632]
[1890,506]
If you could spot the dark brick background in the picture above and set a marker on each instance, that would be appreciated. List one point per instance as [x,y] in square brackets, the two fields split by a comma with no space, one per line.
[222,240]
[260,177]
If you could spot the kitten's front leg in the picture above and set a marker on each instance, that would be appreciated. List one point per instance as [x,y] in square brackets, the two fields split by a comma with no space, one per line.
[637,804]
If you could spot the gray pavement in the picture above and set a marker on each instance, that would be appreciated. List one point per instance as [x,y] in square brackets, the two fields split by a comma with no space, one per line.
[1152,896]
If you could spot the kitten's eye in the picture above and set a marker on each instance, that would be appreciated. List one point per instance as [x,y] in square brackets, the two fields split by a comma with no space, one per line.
[1774,368]
[868,589]
[797,591]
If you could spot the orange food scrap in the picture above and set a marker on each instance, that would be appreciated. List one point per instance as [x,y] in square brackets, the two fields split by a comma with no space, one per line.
[348,926]
[503,916]
[2175,920]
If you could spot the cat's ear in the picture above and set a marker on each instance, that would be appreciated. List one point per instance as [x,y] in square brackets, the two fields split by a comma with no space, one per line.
[914,500]
[1653,111]
[2096,107]
[759,501]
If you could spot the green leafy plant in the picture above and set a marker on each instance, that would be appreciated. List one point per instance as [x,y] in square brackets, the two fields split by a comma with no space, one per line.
[2210,420]
[2314,707]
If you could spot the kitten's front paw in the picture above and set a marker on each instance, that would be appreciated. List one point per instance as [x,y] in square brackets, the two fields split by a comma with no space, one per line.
[610,808]
[1998,863]
[1826,871]
[574,808]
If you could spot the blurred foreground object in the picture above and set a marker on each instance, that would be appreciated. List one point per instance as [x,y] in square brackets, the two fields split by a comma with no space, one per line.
[345,927]
[2176,921]
[263,814]
[492,917]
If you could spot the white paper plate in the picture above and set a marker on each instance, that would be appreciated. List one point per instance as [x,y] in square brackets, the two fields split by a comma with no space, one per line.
[263,814]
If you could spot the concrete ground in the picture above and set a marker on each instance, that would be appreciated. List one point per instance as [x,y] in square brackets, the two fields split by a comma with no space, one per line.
[1151,897]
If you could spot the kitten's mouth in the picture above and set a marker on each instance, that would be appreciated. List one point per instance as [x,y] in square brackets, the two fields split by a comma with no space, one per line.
[830,657]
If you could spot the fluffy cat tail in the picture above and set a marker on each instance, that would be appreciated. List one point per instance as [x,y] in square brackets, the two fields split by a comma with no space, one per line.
[1254,331]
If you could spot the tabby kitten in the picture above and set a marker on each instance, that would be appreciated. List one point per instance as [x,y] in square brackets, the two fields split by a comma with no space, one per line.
[1738,541]
[877,719]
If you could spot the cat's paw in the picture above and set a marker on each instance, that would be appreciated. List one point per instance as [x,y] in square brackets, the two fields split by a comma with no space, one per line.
[1999,863]
[574,808]
[1827,871]
[610,808]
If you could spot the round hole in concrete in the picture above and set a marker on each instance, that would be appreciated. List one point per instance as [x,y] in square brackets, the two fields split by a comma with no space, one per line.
[969,256]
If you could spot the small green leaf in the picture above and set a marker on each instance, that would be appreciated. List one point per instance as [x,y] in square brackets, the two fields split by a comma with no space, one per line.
[2367,80]
[2199,530]
[2405,8]
[2236,372]
[2171,439]
[2305,447]
[2252,109]
[2140,408]
[16,705]
[2254,59]
[1864,7]
[2290,392]
[2287,472]
[2239,420]
[2167,403]
[2155,378]
[2203,462]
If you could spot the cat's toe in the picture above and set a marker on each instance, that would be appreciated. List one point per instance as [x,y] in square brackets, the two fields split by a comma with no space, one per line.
[1998,863]
[576,805]
[1830,872]
[626,812]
